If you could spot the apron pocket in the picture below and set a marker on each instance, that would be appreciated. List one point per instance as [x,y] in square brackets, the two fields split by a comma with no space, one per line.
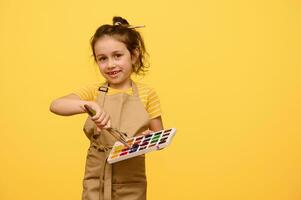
[94,165]
[129,171]
[132,191]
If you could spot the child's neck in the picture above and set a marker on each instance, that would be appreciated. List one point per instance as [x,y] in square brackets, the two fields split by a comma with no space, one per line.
[123,86]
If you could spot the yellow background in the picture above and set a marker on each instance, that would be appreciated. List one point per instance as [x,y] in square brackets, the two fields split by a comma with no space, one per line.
[227,72]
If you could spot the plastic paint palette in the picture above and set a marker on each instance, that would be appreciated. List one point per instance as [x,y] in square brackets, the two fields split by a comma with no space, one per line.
[141,144]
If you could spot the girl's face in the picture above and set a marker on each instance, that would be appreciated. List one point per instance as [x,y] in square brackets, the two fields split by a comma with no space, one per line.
[114,61]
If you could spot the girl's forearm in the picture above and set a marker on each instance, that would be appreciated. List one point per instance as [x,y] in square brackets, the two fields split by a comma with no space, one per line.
[66,107]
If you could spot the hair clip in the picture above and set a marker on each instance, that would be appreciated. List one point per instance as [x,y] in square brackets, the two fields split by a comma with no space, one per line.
[131,27]
[117,23]
[138,26]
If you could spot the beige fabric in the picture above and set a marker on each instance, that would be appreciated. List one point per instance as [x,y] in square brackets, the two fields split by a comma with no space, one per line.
[126,179]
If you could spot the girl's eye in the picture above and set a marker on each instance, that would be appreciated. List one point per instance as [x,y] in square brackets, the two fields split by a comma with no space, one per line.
[101,59]
[118,55]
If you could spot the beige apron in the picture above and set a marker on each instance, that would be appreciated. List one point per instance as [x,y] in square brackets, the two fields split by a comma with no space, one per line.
[124,180]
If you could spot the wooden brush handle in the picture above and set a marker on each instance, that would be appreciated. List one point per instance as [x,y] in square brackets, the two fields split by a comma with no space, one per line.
[89,110]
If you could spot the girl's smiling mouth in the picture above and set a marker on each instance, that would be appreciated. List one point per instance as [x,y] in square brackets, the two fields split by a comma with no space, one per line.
[113,73]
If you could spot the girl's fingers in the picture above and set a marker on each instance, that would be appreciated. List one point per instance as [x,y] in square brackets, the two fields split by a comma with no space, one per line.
[108,125]
[101,117]
[105,120]
[146,132]
[97,115]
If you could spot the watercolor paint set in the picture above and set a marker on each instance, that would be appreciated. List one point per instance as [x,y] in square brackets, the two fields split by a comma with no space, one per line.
[141,144]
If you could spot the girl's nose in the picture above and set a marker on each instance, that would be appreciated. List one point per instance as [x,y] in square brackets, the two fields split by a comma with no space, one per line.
[111,64]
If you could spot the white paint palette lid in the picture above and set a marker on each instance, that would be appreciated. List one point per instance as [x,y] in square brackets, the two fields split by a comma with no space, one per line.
[141,144]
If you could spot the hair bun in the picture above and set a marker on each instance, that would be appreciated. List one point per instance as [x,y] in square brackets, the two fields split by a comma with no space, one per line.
[120,21]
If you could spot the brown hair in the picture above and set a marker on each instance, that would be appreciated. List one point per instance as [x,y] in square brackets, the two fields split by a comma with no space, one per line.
[121,31]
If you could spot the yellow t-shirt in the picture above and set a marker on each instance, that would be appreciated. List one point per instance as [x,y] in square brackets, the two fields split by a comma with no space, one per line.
[147,95]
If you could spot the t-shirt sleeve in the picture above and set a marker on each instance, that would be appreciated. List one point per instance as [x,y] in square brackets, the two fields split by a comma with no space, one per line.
[87,93]
[153,106]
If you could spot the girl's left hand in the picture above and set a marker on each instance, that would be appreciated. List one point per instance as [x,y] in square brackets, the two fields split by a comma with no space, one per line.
[146,132]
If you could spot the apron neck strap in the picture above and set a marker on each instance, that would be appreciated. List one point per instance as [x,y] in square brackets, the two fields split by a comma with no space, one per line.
[103,91]
[105,88]
[135,89]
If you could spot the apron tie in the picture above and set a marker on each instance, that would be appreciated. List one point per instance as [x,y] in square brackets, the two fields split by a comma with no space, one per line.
[106,180]
[107,184]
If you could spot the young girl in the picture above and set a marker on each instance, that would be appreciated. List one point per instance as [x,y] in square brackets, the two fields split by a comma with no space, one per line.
[119,103]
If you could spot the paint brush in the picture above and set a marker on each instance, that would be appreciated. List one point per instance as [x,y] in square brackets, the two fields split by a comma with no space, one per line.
[120,137]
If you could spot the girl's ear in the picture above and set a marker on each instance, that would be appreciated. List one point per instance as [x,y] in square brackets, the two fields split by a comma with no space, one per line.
[135,56]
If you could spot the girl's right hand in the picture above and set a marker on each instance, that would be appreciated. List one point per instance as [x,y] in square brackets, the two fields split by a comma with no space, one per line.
[101,118]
